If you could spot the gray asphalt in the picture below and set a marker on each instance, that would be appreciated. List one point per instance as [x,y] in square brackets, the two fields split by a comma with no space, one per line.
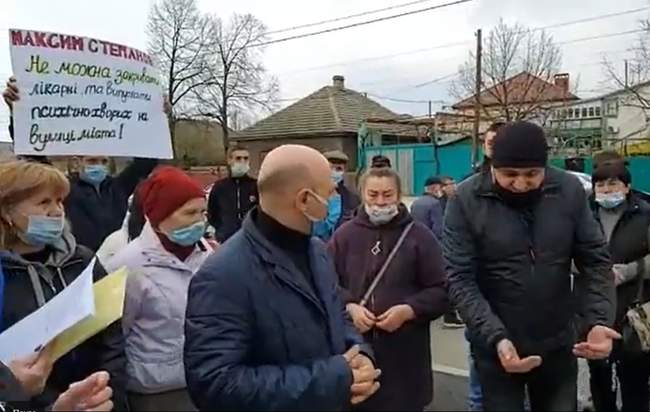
[449,352]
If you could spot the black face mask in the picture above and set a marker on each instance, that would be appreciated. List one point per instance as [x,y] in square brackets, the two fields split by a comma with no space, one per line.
[519,200]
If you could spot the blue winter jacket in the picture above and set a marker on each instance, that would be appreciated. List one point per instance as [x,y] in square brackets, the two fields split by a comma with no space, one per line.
[256,335]
[428,211]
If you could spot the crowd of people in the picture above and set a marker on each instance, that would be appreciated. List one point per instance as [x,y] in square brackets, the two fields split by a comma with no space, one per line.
[291,290]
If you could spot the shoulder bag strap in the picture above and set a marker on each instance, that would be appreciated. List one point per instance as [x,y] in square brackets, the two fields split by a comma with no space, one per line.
[640,274]
[384,267]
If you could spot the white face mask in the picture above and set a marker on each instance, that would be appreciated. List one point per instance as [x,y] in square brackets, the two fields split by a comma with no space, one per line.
[239,169]
[610,200]
[380,215]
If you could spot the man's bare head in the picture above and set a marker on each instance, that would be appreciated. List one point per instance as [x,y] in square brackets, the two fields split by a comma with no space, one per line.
[294,186]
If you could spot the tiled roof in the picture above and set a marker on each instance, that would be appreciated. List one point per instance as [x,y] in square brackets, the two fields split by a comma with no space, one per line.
[522,88]
[328,111]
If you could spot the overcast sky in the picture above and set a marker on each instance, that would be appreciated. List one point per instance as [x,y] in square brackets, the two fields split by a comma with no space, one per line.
[299,64]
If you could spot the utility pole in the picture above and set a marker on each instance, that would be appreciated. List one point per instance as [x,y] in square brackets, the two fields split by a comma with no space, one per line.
[626,73]
[477,98]
[430,109]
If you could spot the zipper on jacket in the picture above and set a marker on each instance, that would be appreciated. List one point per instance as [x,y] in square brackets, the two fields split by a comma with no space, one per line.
[239,214]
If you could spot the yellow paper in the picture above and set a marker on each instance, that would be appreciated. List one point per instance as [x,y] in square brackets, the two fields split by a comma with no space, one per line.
[109,305]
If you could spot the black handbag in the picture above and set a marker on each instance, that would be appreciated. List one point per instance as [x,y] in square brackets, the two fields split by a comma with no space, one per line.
[635,328]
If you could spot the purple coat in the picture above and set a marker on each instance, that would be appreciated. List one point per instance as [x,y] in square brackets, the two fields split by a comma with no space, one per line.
[415,277]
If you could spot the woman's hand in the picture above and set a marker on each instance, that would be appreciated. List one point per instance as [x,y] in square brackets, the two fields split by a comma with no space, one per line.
[395,317]
[32,371]
[91,394]
[363,319]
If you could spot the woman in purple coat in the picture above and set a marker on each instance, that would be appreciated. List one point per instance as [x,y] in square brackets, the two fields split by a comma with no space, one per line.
[412,292]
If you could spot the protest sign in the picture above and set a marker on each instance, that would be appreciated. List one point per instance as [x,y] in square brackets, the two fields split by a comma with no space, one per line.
[83,96]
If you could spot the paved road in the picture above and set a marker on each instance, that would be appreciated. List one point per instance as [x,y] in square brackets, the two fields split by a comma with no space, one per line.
[450,368]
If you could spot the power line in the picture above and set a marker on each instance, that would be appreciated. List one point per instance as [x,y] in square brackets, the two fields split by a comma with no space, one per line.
[602,36]
[351,16]
[463,43]
[362,23]
[394,99]
[386,56]
[449,76]
[590,19]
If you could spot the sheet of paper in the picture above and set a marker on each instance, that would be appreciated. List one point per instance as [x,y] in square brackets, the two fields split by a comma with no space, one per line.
[72,305]
[109,305]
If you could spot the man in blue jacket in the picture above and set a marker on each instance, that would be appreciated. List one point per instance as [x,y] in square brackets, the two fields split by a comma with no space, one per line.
[265,328]
[427,209]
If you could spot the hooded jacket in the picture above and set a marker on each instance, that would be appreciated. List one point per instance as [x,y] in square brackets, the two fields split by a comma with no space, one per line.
[29,285]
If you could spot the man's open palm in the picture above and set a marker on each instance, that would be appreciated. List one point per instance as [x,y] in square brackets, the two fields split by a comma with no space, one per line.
[598,345]
[511,361]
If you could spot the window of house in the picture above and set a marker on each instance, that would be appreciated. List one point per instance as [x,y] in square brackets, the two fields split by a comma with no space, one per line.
[584,112]
[612,108]
[570,113]
[576,113]
[597,111]
[591,112]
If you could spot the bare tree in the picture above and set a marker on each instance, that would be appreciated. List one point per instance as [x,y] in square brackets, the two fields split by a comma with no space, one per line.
[510,51]
[236,83]
[180,41]
[630,76]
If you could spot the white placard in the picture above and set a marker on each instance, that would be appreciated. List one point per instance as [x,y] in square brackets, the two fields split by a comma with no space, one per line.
[83,96]
[73,304]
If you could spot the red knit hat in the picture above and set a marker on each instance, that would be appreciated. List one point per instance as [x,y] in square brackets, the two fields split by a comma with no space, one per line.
[165,191]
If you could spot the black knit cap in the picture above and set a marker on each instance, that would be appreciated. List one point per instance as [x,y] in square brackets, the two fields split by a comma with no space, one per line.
[520,144]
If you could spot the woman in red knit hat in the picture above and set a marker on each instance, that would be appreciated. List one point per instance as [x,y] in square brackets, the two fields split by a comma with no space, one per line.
[161,263]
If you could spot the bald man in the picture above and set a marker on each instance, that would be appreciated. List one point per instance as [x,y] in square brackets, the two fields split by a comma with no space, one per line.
[265,328]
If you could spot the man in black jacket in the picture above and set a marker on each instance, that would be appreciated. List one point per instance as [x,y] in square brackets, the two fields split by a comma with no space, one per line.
[510,237]
[97,202]
[231,198]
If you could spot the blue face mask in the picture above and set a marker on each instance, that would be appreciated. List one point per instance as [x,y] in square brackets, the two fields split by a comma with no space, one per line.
[43,230]
[94,174]
[337,176]
[325,228]
[188,235]
[611,200]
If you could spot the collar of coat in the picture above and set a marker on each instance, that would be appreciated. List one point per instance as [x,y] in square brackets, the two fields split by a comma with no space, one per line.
[62,253]
[284,269]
